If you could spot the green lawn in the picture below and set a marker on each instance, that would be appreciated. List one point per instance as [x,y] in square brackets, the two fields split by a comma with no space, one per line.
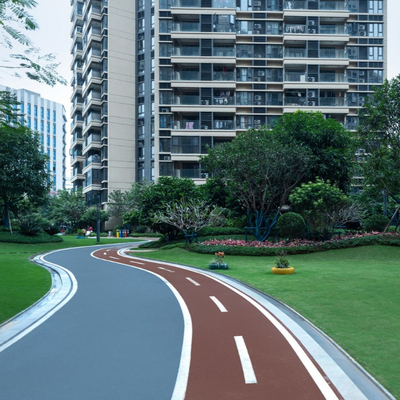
[21,282]
[353,295]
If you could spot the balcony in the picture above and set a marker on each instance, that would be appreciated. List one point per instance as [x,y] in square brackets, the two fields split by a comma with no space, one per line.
[93,159]
[187,173]
[331,53]
[224,76]
[322,77]
[224,52]
[331,102]
[192,75]
[331,30]
[93,96]
[186,3]
[322,5]
[186,100]
[186,124]
[186,27]
[224,124]
[92,118]
[186,51]
[294,52]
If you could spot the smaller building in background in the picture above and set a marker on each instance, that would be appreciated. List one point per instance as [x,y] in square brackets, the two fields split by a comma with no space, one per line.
[48,118]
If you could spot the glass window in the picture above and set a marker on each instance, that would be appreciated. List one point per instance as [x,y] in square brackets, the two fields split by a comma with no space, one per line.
[48,114]
[54,154]
[41,126]
[22,106]
[41,112]
[48,127]
[35,124]
[54,128]
[54,141]
[28,123]
[48,141]
[35,111]
[28,109]
[54,116]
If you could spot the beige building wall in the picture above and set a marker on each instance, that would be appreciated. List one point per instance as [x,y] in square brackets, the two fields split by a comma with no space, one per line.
[121,95]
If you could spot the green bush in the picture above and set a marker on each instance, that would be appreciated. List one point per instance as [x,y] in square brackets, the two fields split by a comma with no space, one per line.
[17,237]
[376,222]
[50,228]
[141,229]
[30,224]
[220,230]
[291,225]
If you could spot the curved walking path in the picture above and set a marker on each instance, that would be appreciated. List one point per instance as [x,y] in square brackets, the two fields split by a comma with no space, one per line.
[164,331]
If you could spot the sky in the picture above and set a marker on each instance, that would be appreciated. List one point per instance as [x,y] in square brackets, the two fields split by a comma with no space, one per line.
[53,36]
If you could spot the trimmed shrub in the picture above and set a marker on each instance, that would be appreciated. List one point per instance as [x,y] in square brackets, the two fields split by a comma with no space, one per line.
[220,230]
[375,223]
[17,237]
[141,229]
[291,226]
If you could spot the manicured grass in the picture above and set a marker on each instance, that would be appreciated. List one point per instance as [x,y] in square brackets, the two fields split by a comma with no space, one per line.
[22,282]
[353,295]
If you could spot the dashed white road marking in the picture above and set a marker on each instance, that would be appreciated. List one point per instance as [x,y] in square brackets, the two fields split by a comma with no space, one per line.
[218,304]
[115,258]
[136,262]
[165,269]
[193,281]
[248,371]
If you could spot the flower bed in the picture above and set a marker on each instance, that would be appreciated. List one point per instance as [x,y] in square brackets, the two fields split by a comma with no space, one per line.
[298,246]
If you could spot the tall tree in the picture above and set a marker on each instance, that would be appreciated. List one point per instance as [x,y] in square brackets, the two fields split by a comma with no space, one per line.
[15,24]
[23,171]
[330,144]
[158,196]
[260,171]
[379,133]
[68,207]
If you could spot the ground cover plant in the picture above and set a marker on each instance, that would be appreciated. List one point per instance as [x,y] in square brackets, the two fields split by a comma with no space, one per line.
[351,294]
[22,282]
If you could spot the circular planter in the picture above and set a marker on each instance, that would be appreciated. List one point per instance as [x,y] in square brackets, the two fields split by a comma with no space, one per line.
[282,271]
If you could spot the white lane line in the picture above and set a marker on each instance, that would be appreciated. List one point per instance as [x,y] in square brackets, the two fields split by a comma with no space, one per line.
[193,281]
[165,269]
[115,258]
[137,262]
[218,304]
[248,371]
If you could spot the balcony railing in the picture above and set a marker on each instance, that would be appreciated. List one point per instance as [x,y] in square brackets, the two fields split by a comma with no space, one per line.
[186,3]
[224,76]
[188,51]
[186,76]
[186,124]
[331,101]
[295,52]
[186,27]
[186,173]
[322,5]
[186,100]
[224,124]
[224,52]
[331,29]
[331,53]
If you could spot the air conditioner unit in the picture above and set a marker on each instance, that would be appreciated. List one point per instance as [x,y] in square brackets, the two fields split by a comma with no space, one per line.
[257,32]
[257,97]
[312,31]
[166,158]
[205,102]
[257,78]
[164,110]
[204,175]
[361,27]
[312,93]
[204,127]
[257,103]
[257,3]
[311,79]
[257,122]
[361,73]
[362,33]
[311,22]
[256,8]
[257,26]
[261,73]
[311,103]
[361,80]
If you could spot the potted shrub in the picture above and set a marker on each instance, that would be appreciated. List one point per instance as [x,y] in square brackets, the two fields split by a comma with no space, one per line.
[218,261]
[282,266]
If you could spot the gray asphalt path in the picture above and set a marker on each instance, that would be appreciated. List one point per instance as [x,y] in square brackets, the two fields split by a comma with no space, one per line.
[119,337]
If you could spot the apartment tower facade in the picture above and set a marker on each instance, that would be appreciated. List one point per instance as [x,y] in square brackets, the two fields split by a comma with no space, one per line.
[48,119]
[156,82]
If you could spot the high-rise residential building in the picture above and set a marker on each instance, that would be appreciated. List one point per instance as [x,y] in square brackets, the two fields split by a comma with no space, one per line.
[48,119]
[157,81]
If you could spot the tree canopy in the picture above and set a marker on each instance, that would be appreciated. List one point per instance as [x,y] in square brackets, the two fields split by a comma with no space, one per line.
[330,144]
[23,169]
[379,132]
[15,24]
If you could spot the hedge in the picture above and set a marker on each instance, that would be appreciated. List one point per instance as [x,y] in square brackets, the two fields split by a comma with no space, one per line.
[17,237]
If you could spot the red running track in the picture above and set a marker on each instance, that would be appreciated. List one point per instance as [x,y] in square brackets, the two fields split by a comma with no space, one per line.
[272,363]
